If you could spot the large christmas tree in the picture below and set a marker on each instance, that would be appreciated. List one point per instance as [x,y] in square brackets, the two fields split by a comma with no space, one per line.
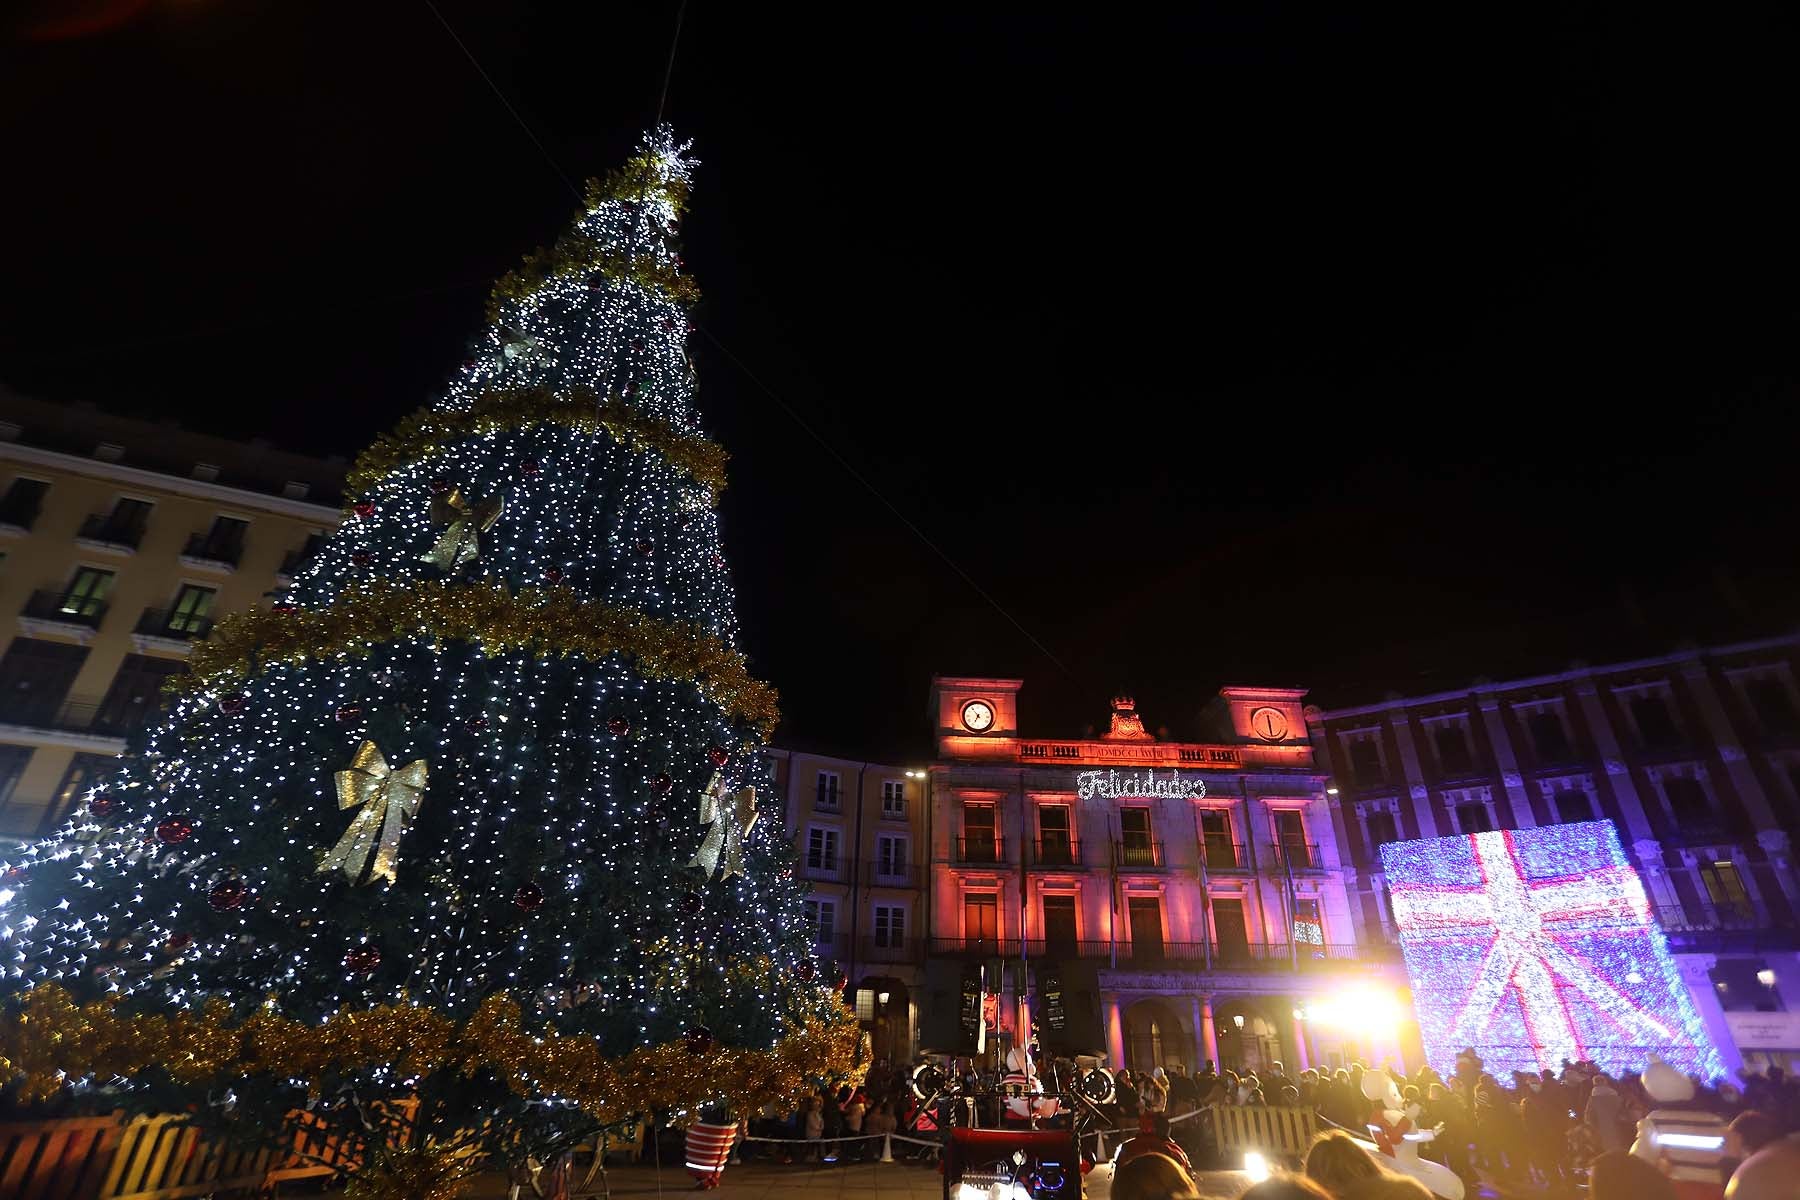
[467,814]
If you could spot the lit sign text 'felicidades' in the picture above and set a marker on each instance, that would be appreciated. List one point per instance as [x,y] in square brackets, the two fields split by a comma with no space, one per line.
[1110,785]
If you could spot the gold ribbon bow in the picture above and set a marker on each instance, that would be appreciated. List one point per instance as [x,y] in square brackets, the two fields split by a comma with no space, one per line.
[389,798]
[729,816]
[461,542]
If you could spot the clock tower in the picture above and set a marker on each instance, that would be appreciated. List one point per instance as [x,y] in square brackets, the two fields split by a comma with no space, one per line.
[974,717]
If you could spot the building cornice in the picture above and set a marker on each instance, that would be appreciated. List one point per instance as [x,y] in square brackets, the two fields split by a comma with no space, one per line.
[1572,675]
[196,488]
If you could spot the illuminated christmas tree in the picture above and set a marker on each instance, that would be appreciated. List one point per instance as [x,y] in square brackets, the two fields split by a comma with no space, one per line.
[468,814]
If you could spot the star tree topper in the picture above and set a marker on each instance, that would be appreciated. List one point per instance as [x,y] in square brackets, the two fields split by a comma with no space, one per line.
[729,816]
[388,799]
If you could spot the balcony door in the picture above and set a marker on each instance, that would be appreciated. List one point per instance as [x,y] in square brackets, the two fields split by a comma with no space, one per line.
[1136,849]
[979,842]
[1290,836]
[1215,839]
[1055,845]
[34,678]
[1059,926]
[981,921]
[1231,932]
[135,694]
[1146,928]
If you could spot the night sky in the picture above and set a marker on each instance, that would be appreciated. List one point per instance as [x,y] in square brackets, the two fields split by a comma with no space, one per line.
[1263,346]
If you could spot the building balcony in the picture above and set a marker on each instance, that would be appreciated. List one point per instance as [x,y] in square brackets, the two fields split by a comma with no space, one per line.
[1294,856]
[61,608]
[204,551]
[102,530]
[979,850]
[1724,928]
[875,873]
[830,868]
[842,949]
[1139,854]
[1053,853]
[21,514]
[1189,956]
[171,625]
[1221,855]
[73,714]
[828,802]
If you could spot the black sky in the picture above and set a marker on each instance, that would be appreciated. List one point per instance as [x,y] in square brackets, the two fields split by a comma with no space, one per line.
[1262,345]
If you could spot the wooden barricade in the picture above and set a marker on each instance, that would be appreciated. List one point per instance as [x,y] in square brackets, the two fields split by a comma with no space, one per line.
[63,1159]
[1273,1132]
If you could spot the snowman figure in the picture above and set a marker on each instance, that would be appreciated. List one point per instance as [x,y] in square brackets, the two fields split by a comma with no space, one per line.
[1394,1130]
[1687,1144]
[1023,1090]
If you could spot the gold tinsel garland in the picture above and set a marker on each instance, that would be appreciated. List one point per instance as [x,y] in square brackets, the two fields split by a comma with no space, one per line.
[639,179]
[542,621]
[578,254]
[55,1039]
[432,431]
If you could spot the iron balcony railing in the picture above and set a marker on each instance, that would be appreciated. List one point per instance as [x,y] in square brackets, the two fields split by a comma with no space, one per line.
[824,866]
[988,848]
[1138,852]
[1274,956]
[1733,927]
[167,623]
[1700,919]
[1297,856]
[102,528]
[49,605]
[890,873]
[1223,855]
[74,714]
[219,550]
[828,802]
[1055,852]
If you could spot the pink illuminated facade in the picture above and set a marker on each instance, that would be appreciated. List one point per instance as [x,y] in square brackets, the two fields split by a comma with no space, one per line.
[1188,895]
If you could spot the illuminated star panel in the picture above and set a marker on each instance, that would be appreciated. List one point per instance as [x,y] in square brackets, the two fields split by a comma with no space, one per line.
[1538,945]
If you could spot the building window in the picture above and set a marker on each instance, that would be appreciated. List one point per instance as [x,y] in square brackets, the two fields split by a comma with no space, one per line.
[1231,933]
[1365,762]
[192,612]
[23,501]
[123,526]
[981,917]
[825,792]
[821,918]
[86,596]
[890,855]
[890,926]
[822,849]
[1774,706]
[1136,847]
[980,842]
[1382,830]
[1215,840]
[1687,801]
[1145,915]
[1550,738]
[1571,804]
[85,773]
[1059,924]
[135,695]
[1309,925]
[1056,847]
[223,543]
[893,799]
[1725,888]
[1290,838]
[1473,818]
[34,679]
[1656,728]
[1453,754]
[13,760]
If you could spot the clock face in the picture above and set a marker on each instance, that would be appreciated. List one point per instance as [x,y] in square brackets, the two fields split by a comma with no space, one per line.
[1269,724]
[978,716]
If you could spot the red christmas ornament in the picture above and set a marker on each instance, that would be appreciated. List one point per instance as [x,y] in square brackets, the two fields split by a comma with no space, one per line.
[475,724]
[669,324]
[806,970]
[348,714]
[232,703]
[284,606]
[439,486]
[629,389]
[528,467]
[637,344]
[362,558]
[553,574]
[719,756]
[692,902]
[178,941]
[174,830]
[529,897]
[618,726]
[364,509]
[644,548]
[226,895]
[102,806]
[698,1040]
[362,960]
[662,784]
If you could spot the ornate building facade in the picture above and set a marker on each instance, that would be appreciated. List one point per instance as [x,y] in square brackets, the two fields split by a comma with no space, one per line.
[1695,758]
[1188,899]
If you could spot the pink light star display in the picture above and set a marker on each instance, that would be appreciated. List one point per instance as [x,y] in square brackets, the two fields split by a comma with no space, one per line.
[1535,946]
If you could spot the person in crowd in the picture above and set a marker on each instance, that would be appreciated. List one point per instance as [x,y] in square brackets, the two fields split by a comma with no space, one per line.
[814,1125]
[1749,1132]
[1153,1092]
[1499,1131]
[1204,1079]
[1618,1175]
[854,1112]
[1444,1111]
[1286,1187]
[1154,1177]
[1386,1186]
[1183,1097]
[1772,1173]
[1605,1115]
[1545,1124]
[1156,1136]
[1126,1094]
[1335,1162]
